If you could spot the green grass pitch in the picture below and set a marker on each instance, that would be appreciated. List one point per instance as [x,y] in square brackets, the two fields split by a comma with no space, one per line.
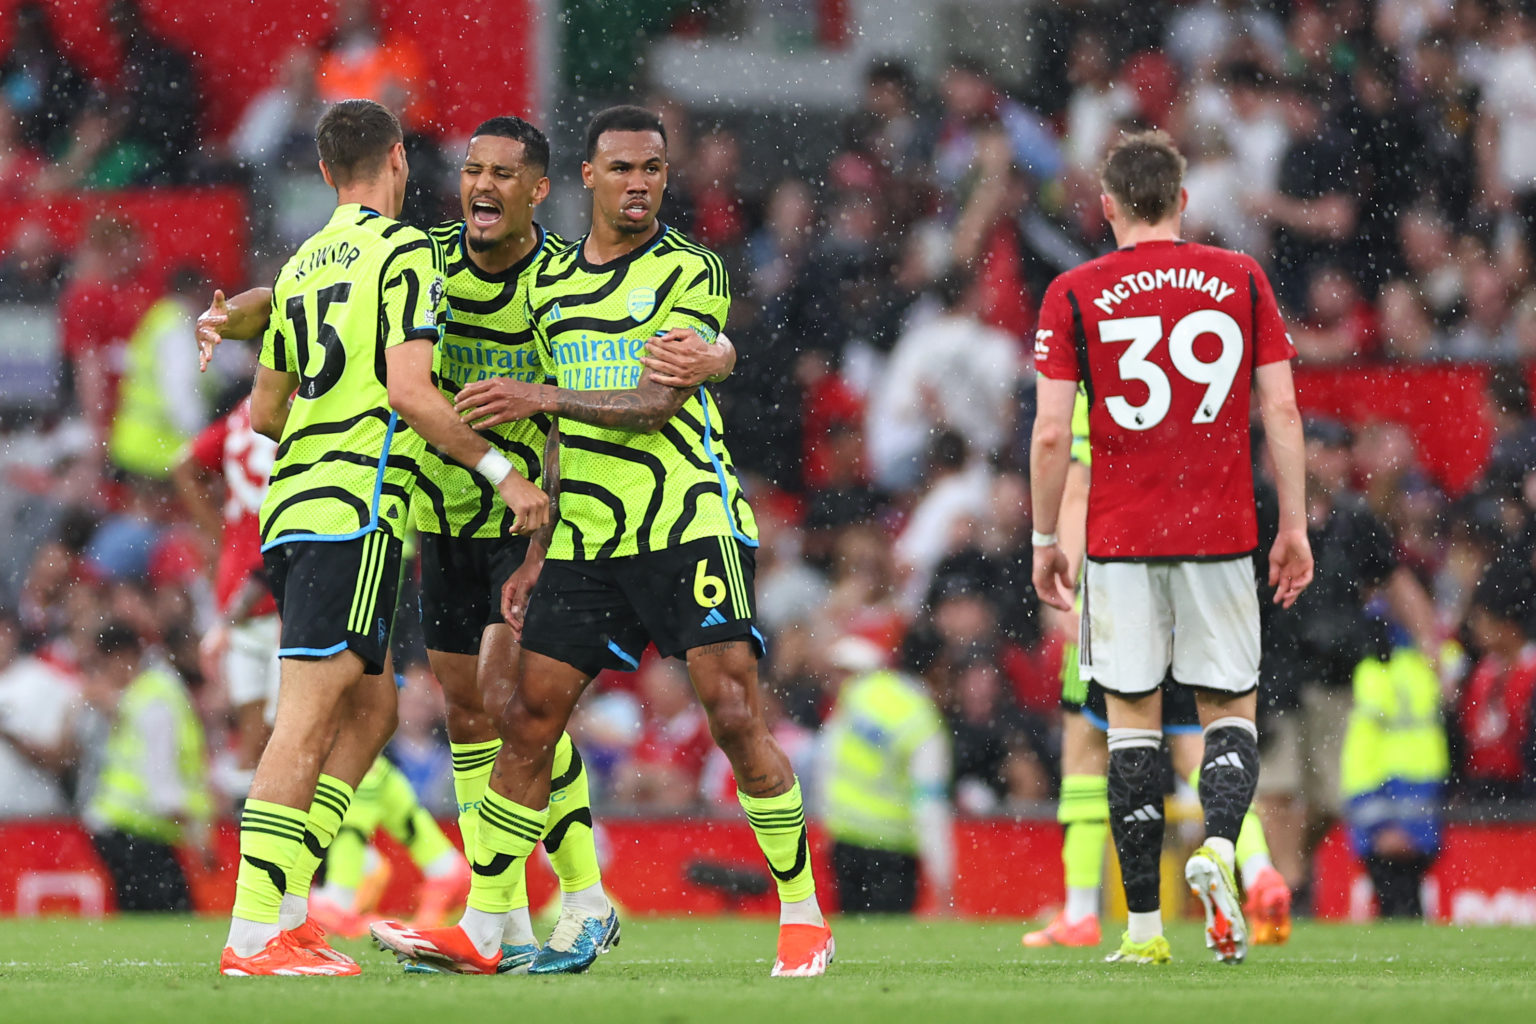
[130,970]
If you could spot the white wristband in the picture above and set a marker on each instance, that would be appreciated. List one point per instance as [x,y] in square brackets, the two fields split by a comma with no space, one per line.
[1043,540]
[494,466]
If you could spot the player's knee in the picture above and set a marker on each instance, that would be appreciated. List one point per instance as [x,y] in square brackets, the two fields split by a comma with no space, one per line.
[531,724]
[732,720]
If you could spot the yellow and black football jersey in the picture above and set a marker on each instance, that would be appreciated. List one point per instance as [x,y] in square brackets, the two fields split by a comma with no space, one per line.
[621,492]
[487,335]
[346,464]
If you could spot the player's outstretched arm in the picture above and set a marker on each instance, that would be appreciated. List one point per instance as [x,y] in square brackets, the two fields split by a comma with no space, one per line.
[1290,560]
[1050,452]
[519,586]
[242,317]
[642,409]
[680,358]
[419,402]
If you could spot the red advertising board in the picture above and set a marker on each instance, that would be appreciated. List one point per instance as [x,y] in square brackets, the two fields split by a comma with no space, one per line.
[1007,869]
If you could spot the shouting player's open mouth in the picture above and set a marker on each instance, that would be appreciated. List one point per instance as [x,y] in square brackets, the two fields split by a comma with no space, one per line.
[484,213]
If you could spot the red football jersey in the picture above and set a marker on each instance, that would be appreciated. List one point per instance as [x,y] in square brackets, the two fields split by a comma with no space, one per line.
[1166,336]
[229,446]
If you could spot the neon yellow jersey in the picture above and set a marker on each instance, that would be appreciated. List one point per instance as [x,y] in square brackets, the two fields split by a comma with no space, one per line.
[625,493]
[487,335]
[346,464]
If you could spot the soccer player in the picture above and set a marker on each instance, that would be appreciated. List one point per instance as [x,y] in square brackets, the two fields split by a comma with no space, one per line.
[467,556]
[354,322]
[1083,808]
[243,644]
[1168,339]
[654,543]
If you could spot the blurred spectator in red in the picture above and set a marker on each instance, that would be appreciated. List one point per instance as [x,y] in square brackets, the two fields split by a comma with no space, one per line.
[719,210]
[41,87]
[845,496]
[828,400]
[947,372]
[102,303]
[662,771]
[1339,325]
[1494,710]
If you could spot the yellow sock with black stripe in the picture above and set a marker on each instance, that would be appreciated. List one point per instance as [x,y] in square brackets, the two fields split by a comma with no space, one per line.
[472,765]
[1083,811]
[332,798]
[779,823]
[506,835]
[403,817]
[569,842]
[271,836]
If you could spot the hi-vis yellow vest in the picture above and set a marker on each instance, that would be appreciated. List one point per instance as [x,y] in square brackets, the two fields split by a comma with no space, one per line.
[145,439]
[1395,730]
[122,797]
[879,721]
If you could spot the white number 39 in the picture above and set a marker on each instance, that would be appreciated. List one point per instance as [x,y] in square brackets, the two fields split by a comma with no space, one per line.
[1144,332]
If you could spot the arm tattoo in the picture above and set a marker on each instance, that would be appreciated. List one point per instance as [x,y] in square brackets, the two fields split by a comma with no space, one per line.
[643,409]
[545,535]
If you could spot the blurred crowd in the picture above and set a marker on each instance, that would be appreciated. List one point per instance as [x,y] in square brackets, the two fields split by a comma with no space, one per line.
[1379,158]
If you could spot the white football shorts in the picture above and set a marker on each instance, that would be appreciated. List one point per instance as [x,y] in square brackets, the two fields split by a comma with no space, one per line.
[1140,618]
[250,664]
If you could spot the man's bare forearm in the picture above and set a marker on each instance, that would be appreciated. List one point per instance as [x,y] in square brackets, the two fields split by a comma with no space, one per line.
[539,544]
[1287,449]
[643,409]
[248,314]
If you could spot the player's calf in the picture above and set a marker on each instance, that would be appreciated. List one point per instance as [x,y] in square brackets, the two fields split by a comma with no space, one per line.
[1136,819]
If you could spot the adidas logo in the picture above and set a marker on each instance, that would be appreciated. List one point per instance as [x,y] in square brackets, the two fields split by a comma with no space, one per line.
[714,618]
[1148,812]
[554,314]
[1228,760]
